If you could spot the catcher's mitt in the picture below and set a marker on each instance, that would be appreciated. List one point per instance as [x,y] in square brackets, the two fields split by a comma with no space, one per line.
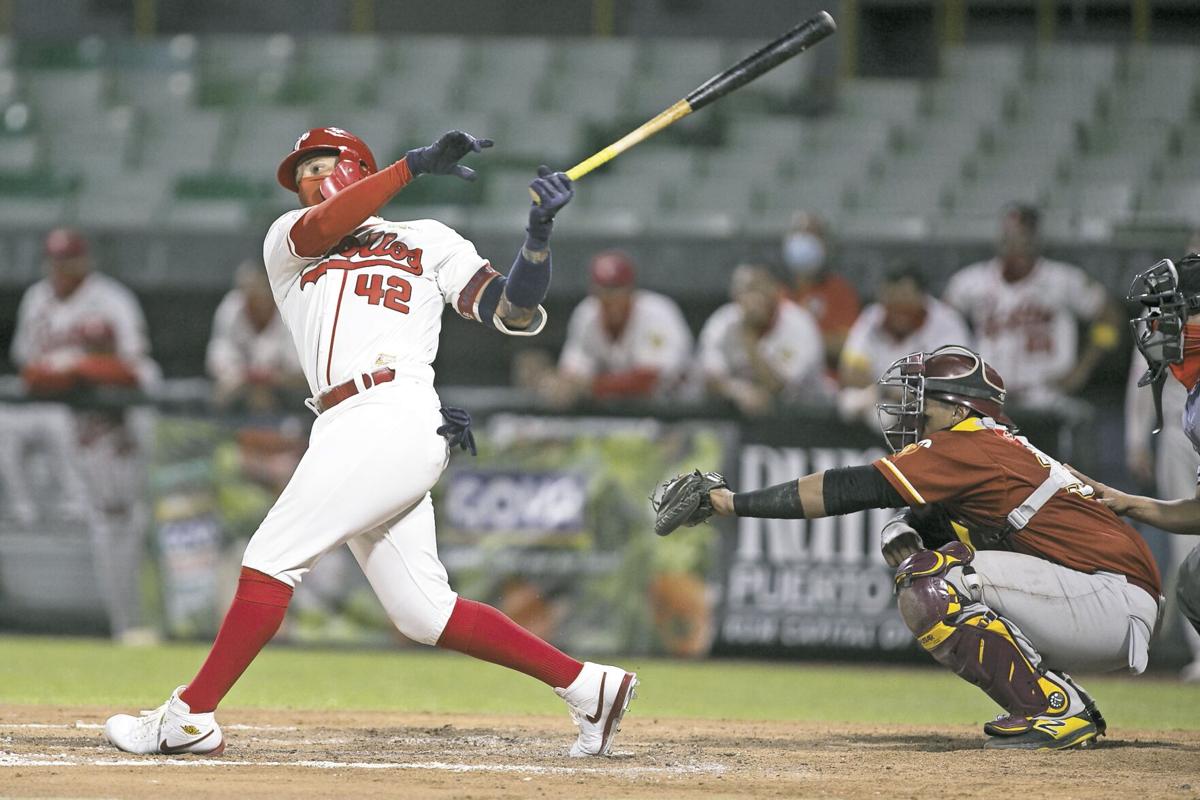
[683,500]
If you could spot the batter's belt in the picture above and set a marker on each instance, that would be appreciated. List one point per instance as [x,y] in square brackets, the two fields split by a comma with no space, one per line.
[344,391]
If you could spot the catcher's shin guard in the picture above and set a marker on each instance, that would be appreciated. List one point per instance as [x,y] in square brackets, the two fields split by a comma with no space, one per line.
[981,647]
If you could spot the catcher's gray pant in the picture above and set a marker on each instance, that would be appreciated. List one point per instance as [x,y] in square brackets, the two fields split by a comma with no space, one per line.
[1074,620]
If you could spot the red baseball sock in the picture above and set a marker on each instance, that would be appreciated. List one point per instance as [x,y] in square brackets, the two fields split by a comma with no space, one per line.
[483,632]
[257,610]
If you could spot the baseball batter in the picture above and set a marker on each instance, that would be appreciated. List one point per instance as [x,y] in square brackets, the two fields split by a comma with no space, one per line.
[363,298]
[1025,310]
[1168,335]
[1031,577]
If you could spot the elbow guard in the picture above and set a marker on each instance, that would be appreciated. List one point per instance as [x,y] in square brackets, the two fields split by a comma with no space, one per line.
[489,302]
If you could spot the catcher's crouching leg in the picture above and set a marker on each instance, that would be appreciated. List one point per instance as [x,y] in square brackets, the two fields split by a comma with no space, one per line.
[990,652]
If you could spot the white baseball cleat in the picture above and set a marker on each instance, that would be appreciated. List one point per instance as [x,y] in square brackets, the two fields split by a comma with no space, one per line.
[597,700]
[171,729]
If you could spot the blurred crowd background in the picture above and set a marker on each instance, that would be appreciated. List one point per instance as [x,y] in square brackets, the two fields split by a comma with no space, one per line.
[986,173]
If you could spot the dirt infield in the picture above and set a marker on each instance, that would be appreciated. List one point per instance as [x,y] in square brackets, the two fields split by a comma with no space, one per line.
[60,752]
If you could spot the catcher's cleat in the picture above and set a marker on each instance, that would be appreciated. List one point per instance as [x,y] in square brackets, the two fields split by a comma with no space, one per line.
[597,700]
[171,729]
[1046,733]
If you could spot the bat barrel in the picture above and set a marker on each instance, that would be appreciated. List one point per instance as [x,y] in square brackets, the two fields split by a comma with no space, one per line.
[763,60]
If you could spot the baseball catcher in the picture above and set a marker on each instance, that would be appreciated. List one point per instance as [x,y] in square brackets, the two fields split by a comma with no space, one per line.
[1008,571]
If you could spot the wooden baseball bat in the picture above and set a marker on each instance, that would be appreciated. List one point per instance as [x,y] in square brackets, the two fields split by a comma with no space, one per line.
[763,60]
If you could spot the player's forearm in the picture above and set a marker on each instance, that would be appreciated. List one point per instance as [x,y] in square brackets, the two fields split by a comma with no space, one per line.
[1173,516]
[527,283]
[323,225]
[821,494]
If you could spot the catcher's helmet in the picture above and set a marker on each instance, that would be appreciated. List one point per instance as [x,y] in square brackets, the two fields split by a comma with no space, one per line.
[952,374]
[352,152]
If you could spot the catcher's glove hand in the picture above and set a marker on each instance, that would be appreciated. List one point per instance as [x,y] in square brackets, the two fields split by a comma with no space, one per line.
[684,500]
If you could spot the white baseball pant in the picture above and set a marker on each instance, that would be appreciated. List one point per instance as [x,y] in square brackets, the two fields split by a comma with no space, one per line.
[365,481]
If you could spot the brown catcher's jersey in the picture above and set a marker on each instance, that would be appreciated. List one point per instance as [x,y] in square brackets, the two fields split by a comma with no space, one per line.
[979,472]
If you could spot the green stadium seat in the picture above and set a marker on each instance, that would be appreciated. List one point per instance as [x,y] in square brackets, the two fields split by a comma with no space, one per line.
[216,215]
[713,194]
[19,154]
[534,138]
[133,202]
[621,191]
[263,135]
[979,64]
[166,54]
[505,74]
[51,54]
[221,186]
[62,96]
[1176,202]
[169,93]
[886,100]
[1072,65]
[591,96]
[343,58]
[189,141]
[426,74]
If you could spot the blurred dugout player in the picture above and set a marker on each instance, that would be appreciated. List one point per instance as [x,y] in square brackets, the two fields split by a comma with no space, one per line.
[78,330]
[622,341]
[830,298]
[906,319]
[1025,309]
[251,358]
[1171,467]
[762,351]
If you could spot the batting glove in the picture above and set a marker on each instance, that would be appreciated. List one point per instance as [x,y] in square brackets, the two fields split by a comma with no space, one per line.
[553,190]
[441,157]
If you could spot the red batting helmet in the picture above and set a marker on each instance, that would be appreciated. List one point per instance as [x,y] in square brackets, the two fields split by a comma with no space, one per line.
[350,149]
[952,374]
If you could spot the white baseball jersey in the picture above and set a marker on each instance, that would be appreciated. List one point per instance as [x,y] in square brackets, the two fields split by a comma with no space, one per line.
[375,299]
[792,347]
[656,336]
[868,344]
[1027,329]
[100,317]
[237,347]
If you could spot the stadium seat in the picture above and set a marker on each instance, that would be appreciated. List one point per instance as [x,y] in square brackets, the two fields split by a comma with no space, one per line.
[883,100]
[982,63]
[426,74]
[1169,202]
[261,136]
[623,191]
[133,202]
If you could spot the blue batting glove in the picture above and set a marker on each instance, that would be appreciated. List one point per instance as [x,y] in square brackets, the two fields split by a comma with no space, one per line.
[441,157]
[554,190]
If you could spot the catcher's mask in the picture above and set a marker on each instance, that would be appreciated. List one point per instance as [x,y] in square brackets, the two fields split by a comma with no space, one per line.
[1158,330]
[952,374]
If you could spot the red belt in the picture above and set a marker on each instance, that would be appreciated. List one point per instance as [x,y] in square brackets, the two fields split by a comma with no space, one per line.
[344,391]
